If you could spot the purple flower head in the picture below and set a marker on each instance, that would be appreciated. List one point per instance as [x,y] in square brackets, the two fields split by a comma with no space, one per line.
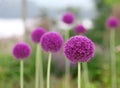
[51,42]
[21,51]
[79,49]
[112,22]
[68,18]
[37,34]
[79,29]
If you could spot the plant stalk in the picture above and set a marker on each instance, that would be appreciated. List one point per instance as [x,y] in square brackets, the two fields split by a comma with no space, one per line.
[48,70]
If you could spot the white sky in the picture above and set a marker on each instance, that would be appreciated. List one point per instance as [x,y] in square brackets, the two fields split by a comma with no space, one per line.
[15,26]
[64,3]
[10,27]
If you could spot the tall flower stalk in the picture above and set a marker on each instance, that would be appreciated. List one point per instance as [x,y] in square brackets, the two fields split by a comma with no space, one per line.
[113,58]
[112,23]
[36,37]
[48,70]
[39,68]
[68,18]
[21,74]
[81,30]
[51,42]
[67,65]
[79,75]
[79,49]
[21,51]
[86,75]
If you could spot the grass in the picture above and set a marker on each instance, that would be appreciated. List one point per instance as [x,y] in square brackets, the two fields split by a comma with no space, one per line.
[99,69]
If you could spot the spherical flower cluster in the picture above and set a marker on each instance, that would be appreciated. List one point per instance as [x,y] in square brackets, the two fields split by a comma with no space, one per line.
[112,22]
[79,29]
[37,34]
[79,49]
[21,51]
[51,42]
[68,18]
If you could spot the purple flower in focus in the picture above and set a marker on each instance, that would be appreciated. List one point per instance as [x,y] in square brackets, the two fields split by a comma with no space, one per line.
[112,22]
[21,51]
[51,42]
[68,18]
[79,29]
[79,49]
[37,34]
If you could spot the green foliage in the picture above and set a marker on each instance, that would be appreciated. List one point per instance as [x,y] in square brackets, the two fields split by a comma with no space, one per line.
[112,2]
[98,33]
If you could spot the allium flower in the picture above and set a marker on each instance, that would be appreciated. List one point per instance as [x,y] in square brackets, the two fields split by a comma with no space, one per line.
[79,49]
[68,18]
[21,51]
[51,42]
[112,22]
[37,34]
[79,29]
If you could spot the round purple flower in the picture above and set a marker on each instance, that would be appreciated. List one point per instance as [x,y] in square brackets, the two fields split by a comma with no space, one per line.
[21,51]
[79,29]
[51,42]
[79,49]
[37,34]
[112,22]
[68,18]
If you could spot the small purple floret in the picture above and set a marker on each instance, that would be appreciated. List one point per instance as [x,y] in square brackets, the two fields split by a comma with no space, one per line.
[21,51]
[51,42]
[79,49]
[112,22]
[79,29]
[37,34]
[68,18]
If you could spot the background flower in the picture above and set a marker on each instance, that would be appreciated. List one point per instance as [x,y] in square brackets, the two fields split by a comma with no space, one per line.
[68,18]
[112,22]
[79,29]
[51,42]
[37,34]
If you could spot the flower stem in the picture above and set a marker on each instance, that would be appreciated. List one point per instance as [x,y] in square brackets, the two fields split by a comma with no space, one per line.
[21,74]
[37,67]
[67,74]
[67,65]
[48,70]
[41,70]
[86,75]
[79,75]
[113,58]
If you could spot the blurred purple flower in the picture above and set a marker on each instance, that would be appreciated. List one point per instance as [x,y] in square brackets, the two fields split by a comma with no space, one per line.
[51,42]
[37,34]
[68,18]
[21,51]
[112,22]
[79,29]
[79,49]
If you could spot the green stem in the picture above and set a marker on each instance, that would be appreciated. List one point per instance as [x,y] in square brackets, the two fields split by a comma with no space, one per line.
[67,74]
[86,75]
[79,75]
[67,65]
[113,58]
[41,70]
[48,70]
[37,67]
[21,74]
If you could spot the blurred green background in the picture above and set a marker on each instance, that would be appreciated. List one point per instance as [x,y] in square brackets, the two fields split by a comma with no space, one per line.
[49,17]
